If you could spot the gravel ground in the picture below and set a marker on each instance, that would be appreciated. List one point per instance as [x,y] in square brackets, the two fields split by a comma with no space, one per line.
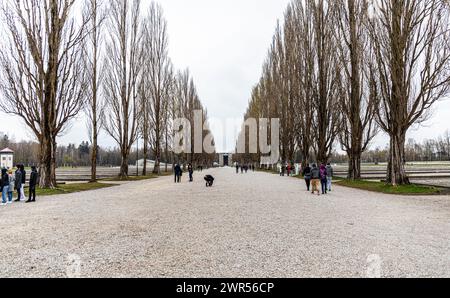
[254,225]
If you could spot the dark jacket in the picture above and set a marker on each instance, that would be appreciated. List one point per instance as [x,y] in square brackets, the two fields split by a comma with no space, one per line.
[307,173]
[4,182]
[24,176]
[33,180]
[18,175]
[178,170]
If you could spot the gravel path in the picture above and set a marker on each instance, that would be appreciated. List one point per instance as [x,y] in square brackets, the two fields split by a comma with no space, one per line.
[254,225]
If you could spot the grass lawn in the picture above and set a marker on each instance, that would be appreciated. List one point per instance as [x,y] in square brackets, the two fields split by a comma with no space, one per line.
[70,188]
[137,178]
[382,187]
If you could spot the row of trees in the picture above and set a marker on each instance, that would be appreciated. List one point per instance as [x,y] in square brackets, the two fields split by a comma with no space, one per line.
[339,71]
[72,155]
[112,63]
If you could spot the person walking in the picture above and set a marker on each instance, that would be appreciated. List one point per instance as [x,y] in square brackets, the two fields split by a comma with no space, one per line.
[330,175]
[323,178]
[237,168]
[12,181]
[307,174]
[315,179]
[178,173]
[4,186]
[33,183]
[18,183]
[191,173]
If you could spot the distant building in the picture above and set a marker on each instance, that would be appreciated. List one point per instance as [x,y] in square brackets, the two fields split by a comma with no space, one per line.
[225,159]
[6,158]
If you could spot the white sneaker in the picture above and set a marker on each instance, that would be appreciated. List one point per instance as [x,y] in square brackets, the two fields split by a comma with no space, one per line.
[10,202]
[3,204]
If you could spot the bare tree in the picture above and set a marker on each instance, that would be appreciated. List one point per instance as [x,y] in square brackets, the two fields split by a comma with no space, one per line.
[303,53]
[184,105]
[158,75]
[123,65]
[411,40]
[94,12]
[168,108]
[326,77]
[357,103]
[42,74]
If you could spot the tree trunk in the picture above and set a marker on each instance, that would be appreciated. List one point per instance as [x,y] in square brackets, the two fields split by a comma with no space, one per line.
[305,153]
[47,175]
[354,165]
[396,167]
[124,165]
[157,168]
[167,154]
[94,160]
[144,168]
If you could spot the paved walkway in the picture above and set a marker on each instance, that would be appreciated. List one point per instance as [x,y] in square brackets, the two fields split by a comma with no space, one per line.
[253,225]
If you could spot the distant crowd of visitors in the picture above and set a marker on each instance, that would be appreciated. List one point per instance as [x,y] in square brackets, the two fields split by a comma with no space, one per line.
[244,168]
[11,182]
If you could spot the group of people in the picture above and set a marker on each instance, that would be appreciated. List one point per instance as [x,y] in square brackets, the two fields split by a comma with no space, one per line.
[286,168]
[244,168]
[178,171]
[318,178]
[15,181]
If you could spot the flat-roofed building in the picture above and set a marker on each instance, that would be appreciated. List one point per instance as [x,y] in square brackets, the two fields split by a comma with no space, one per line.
[6,158]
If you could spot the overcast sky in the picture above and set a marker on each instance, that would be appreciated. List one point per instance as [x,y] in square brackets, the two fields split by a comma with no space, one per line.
[224,44]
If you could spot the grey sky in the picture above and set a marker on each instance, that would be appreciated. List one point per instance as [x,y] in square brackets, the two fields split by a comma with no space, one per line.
[224,43]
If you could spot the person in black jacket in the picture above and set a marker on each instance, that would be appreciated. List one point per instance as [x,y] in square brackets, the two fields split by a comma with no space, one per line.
[33,184]
[178,173]
[191,172]
[18,184]
[307,175]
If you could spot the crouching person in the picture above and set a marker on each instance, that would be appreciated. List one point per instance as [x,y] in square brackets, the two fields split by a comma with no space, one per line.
[33,184]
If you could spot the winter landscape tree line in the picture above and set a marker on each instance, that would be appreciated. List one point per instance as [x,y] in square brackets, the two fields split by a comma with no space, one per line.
[111,62]
[339,72]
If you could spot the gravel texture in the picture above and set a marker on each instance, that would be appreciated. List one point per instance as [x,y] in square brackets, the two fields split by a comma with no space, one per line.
[251,225]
